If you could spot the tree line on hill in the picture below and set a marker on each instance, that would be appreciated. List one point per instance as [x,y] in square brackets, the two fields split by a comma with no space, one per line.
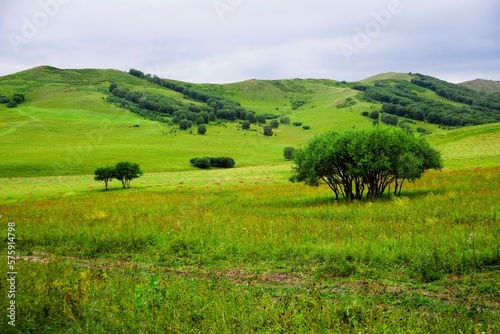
[164,109]
[477,100]
[402,100]
[218,107]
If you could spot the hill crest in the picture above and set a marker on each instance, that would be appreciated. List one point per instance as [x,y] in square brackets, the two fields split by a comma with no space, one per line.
[488,86]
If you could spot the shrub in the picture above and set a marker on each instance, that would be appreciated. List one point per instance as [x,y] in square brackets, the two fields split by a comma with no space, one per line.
[390,119]
[200,120]
[246,125]
[203,163]
[274,124]
[251,117]
[185,124]
[112,86]
[221,162]
[422,130]
[365,113]
[268,131]
[374,115]
[4,99]
[19,98]
[285,120]
[297,104]
[202,129]
[297,123]
[12,104]
[306,127]
[406,127]
[288,152]
[261,119]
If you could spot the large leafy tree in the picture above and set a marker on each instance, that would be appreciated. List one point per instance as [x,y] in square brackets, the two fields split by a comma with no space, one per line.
[126,171]
[370,160]
[105,174]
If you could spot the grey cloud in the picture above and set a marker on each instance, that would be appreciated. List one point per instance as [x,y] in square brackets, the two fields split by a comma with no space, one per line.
[194,40]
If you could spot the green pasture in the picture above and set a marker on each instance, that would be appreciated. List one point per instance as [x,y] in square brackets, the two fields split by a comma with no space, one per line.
[247,251]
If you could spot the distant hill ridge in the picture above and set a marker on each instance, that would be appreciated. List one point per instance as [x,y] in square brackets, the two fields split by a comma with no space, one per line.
[412,96]
[488,86]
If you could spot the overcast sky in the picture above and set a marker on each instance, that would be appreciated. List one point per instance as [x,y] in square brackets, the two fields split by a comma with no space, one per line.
[221,41]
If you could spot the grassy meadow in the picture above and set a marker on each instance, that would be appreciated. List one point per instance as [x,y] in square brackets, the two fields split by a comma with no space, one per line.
[240,250]
[212,254]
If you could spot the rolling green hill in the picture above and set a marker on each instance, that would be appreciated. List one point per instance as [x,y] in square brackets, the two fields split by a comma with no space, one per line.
[67,127]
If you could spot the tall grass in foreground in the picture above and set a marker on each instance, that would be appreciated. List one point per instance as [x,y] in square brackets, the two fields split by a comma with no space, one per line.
[267,258]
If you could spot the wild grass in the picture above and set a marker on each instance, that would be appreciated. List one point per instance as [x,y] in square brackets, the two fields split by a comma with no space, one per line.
[265,257]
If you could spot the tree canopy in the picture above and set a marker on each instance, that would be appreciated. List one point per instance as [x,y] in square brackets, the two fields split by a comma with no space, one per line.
[126,171]
[105,174]
[370,160]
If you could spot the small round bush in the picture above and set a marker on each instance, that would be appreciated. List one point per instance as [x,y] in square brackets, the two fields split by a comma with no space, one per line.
[374,114]
[268,131]
[12,104]
[285,120]
[202,129]
[203,163]
[288,153]
[222,162]
[246,125]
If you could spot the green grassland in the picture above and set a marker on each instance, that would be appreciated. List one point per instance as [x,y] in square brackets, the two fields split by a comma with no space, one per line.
[239,250]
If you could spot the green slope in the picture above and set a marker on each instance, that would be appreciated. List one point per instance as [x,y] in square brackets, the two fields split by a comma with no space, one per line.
[67,127]
[389,76]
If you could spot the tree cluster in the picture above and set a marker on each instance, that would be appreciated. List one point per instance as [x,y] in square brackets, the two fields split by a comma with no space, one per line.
[207,162]
[13,101]
[221,107]
[403,101]
[481,101]
[156,106]
[123,171]
[370,160]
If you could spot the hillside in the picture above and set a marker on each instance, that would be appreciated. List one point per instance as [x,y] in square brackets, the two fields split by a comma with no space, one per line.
[67,125]
[488,86]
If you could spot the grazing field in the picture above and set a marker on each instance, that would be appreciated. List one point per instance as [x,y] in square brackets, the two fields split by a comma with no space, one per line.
[246,251]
